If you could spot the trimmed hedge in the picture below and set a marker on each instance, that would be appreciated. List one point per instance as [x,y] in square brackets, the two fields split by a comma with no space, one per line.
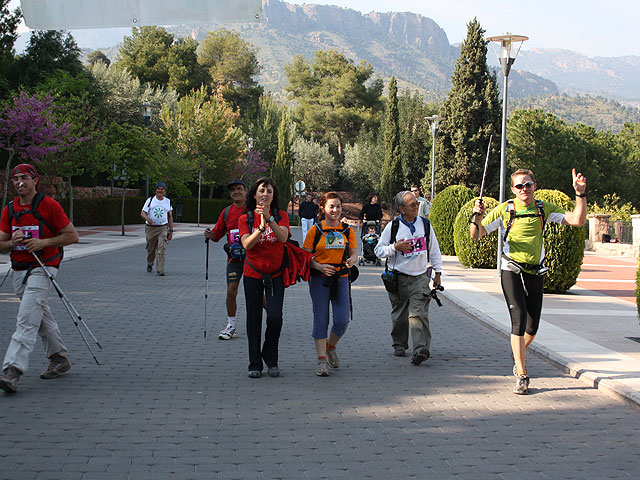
[474,253]
[106,211]
[444,209]
[563,246]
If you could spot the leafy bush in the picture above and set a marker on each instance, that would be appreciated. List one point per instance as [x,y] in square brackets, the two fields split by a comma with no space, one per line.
[563,246]
[612,204]
[444,209]
[474,253]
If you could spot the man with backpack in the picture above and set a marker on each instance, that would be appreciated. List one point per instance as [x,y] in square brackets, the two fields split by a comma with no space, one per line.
[158,227]
[412,252]
[227,224]
[33,224]
[521,222]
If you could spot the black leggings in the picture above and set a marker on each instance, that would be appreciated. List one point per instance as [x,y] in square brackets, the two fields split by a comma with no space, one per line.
[524,306]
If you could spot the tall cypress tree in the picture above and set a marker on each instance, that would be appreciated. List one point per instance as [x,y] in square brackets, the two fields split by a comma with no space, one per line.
[472,112]
[392,178]
[281,169]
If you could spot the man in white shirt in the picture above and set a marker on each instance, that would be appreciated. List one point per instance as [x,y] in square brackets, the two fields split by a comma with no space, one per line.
[424,206]
[156,213]
[412,254]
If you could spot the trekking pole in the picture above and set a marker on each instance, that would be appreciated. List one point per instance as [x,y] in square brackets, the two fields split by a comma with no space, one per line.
[484,177]
[75,316]
[206,287]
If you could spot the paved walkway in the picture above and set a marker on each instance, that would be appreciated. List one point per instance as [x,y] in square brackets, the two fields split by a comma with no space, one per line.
[167,403]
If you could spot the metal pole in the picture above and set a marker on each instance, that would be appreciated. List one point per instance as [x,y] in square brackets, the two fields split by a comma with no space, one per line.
[434,130]
[503,159]
[199,188]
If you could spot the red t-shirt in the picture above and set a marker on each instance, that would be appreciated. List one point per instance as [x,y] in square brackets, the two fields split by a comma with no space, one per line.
[267,254]
[51,211]
[230,227]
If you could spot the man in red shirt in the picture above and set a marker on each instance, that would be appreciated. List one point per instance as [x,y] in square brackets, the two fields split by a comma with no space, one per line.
[38,226]
[227,225]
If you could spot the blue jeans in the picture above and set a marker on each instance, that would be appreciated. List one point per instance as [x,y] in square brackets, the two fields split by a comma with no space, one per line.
[320,300]
[253,292]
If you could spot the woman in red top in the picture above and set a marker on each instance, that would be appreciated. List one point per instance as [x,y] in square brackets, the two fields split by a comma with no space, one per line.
[335,252]
[264,243]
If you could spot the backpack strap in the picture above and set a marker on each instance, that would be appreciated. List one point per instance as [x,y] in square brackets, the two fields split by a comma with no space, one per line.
[395,224]
[511,208]
[226,215]
[149,202]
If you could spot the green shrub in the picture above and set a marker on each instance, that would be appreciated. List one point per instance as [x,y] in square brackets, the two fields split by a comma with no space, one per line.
[563,246]
[209,209]
[474,253]
[444,209]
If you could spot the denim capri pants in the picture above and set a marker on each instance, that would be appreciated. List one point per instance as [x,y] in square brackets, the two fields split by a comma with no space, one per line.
[320,301]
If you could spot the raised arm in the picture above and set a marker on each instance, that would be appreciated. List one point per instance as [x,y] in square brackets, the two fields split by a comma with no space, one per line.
[578,216]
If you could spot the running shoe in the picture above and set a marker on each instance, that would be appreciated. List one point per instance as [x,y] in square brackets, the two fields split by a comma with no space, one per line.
[9,381]
[421,355]
[332,358]
[228,333]
[515,370]
[522,385]
[323,368]
[274,371]
[57,365]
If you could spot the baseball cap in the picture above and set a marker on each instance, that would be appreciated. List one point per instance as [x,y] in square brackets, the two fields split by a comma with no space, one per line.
[236,182]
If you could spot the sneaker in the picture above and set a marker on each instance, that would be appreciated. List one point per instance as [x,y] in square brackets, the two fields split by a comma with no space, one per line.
[57,365]
[420,355]
[228,333]
[522,385]
[255,373]
[161,274]
[274,372]
[332,358]
[149,268]
[323,368]
[9,381]
[399,352]
[515,370]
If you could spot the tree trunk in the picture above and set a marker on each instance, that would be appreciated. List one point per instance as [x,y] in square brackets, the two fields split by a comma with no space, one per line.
[210,192]
[70,201]
[6,180]
[124,191]
[199,194]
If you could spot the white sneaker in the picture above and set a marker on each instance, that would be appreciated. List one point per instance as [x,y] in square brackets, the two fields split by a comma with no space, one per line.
[228,333]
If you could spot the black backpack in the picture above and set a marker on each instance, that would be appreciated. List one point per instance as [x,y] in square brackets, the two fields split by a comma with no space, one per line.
[42,223]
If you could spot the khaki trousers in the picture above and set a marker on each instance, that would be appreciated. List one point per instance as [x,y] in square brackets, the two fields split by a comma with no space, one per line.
[410,311]
[156,245]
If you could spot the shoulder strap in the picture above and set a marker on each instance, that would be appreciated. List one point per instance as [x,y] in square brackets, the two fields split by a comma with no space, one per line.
[543,221]
[250,221]
[427,235]
[511,208]
[395,224]
[319,232]
[226,214]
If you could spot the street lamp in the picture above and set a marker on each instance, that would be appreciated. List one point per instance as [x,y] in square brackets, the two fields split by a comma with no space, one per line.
[147,111]
[506,59]
[293,182]
[433,120]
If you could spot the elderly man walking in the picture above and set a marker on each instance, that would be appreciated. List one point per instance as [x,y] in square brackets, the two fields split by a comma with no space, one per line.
[158,219]
[411,248]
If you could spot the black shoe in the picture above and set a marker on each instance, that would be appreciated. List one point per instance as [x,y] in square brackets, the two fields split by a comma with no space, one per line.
[161,274]
[57,366]
[9,381]
[255,373]
[274,372]
[149,268]
[399,352]
[420,355]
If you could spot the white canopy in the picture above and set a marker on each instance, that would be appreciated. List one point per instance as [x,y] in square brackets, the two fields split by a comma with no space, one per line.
[76,14]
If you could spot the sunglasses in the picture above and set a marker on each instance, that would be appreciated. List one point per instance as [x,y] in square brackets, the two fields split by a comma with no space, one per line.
[520,186]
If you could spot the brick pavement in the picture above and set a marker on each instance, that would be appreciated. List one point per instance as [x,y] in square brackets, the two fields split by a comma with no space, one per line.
[168,404]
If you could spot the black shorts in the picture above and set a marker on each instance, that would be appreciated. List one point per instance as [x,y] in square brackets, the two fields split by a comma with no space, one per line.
[523,293]
[234,270]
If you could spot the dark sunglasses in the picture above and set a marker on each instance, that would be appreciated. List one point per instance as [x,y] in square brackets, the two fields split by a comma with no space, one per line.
[520,186]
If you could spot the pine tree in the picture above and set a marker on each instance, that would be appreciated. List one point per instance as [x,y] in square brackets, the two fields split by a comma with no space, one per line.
[281,169]
[392,178]
[472,113]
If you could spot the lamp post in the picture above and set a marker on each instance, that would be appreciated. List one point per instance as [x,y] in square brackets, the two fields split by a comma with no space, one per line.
[293,182]
[506,59]
[147,111]
[433,120]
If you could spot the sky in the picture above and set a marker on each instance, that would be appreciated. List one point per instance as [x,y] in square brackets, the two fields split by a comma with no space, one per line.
[591,27]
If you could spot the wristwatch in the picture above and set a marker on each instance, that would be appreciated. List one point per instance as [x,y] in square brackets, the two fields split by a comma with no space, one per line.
[271,219]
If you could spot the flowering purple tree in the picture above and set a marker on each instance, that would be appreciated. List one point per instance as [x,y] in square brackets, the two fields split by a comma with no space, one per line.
[253,166]
[29,130]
